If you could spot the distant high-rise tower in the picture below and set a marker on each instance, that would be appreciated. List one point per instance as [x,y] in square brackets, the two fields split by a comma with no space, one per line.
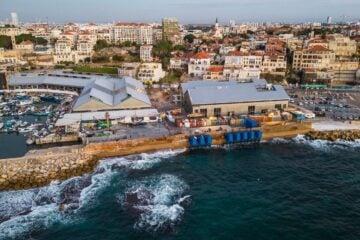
[329,20]
[170,28]
[14,19]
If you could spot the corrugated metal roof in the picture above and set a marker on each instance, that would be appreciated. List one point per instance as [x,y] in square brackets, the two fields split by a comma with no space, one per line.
[113,91]
[228,92]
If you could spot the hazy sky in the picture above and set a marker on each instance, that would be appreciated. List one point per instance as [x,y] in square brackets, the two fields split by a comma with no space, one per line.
[187,11]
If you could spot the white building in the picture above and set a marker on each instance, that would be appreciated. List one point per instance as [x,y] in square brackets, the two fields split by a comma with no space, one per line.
[243,65]
[84,50]
[63,51]
[139,33]
[146,53]
[150,72]
[14,19]
[199,64]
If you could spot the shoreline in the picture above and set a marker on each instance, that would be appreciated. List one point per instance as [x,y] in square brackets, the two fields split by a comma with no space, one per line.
[40,167]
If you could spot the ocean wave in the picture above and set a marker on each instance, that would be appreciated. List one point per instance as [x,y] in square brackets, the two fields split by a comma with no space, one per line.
[324,145]
[158,202]
[27,211]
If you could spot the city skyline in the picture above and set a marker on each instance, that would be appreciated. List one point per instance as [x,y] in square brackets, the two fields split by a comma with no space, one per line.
[185,11]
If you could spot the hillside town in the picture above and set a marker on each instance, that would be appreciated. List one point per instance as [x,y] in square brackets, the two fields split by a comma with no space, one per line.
[102,78]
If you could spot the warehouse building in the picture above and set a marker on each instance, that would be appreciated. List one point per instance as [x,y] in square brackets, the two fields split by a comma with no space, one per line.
[221,98]
[112,94]
[100,97]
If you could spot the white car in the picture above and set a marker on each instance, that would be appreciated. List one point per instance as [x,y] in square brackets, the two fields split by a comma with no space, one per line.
[309,115]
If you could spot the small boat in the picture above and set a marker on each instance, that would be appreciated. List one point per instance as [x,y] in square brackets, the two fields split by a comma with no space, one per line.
[30,141]
[25,130]
[41,114]
[50,99]
[1,125]
[24,103]
[24,124]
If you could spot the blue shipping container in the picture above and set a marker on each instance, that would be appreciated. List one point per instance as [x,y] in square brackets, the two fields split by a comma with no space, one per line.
[201,140]
[251,135]
[229,137]
[258,135]
[238,137]
[244,136]
[250,123]
[208,140]
[193,142]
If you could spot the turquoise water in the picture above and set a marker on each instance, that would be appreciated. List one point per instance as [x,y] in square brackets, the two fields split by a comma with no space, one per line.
[280,190]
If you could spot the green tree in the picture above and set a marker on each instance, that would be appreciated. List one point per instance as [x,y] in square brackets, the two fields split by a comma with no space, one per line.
[29,37]
[41,41]
[162,49]
[179,47]
[100,59]
[118,58]
[189,38]
[5,42]
[100,44]
[23,37]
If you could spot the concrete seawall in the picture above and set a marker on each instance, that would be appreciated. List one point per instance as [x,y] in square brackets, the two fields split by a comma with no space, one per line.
[40,167]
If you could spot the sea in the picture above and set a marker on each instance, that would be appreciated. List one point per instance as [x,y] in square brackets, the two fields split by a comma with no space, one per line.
[281,189]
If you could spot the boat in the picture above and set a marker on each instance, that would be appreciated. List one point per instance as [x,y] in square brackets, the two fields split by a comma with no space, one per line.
[25,130]
[50,99]
[24,103]
[1,125]
[24,124]
[30,141]
[39,114]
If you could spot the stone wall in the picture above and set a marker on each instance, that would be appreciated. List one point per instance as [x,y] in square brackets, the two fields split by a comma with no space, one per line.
[347,135]
[29,172]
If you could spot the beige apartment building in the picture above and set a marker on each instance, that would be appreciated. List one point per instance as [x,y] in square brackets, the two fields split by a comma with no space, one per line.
[170,29]
[139,33]
[342,46]
[316,58]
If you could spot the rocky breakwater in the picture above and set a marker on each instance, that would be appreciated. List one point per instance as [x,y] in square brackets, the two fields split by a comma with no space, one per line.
[347,135]
[36,171]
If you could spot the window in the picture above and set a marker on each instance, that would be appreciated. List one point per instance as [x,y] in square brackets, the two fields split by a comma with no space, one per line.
[284,106]
[217,112]
[251,109]
[196,110]
[203,112]
[230,114]
[278,106]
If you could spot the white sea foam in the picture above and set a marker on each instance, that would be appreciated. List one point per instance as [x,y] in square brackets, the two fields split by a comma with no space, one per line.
[327,145]
[22,212]
[29,210]
[162,207]
[108,167]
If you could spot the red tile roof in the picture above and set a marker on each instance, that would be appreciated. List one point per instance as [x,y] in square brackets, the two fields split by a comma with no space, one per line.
[318,48]
[318,40]
[130,24]
[201,55]
[240,53]
[216,68]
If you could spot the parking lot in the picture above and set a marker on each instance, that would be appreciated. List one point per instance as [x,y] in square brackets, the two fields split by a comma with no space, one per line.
[338,105]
